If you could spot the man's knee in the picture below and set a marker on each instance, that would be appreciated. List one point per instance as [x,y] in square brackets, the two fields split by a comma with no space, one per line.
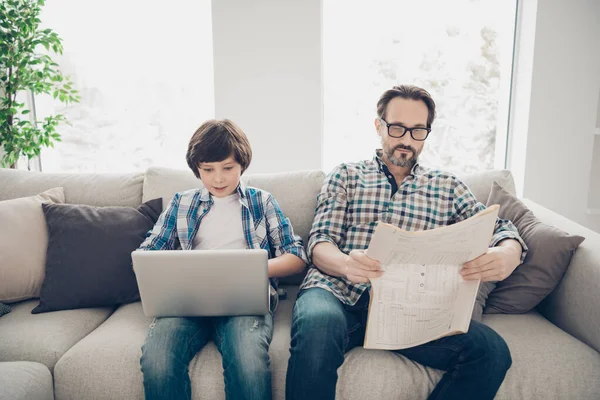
[317,313]
[489,345]
[501,353]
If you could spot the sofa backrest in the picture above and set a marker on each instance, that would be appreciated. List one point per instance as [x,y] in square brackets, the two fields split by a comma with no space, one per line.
[80,188]
[480,182]
[296,192]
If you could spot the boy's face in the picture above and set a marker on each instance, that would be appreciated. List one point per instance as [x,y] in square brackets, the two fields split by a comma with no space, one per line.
[221,178]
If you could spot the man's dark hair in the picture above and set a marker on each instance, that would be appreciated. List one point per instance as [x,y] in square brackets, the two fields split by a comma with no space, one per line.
[407,92]
[214,141]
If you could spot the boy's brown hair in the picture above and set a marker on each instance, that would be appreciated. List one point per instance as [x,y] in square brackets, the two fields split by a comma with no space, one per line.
[214,141]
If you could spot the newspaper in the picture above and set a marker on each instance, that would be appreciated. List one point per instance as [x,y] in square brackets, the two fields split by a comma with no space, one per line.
[421,296]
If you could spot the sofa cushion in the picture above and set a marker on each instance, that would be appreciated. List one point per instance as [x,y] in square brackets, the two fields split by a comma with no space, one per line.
[80,188]
[480,182]
[550,251]
[23,244]
[89,254]
[569,306]
[116,348]
[296,192]
[24,380]
[547,364]
[539,349]
[45,337]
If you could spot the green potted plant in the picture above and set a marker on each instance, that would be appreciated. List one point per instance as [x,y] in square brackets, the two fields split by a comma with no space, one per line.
[25,68]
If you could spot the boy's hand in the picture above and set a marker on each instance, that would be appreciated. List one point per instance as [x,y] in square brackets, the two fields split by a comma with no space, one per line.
[358,268]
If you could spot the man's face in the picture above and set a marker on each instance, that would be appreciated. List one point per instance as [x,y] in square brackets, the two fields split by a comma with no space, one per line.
[404,151]
[221,178]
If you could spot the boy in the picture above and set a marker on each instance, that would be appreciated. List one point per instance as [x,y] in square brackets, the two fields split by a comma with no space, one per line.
[223,214]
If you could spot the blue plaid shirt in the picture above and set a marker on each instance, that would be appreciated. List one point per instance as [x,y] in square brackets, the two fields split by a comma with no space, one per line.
[265,226]
[355,196]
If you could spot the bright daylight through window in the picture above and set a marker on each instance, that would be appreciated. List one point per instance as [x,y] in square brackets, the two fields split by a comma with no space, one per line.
[463,58]
[142,93]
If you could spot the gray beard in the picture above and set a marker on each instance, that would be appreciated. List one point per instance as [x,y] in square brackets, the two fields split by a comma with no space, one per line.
[402,161]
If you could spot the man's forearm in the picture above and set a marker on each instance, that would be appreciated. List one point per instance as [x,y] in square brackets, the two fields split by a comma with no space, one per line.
[329,259]
[514,245]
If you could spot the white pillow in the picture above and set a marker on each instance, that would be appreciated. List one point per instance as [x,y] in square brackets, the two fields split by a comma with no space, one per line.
[23,245]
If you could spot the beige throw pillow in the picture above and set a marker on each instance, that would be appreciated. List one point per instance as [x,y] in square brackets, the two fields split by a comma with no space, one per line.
[23,245]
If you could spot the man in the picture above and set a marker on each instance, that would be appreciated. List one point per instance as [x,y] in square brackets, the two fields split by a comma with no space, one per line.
[330,313]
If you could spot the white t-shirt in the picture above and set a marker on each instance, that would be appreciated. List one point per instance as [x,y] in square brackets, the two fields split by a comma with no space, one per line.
[221,227]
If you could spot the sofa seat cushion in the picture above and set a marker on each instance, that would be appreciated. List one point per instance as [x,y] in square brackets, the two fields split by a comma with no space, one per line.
[25,380]
[547,364]
[115,348]
[44,338]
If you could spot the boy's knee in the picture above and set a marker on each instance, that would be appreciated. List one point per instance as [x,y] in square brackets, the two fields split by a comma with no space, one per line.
[159,363]
[155,367]
[251,338]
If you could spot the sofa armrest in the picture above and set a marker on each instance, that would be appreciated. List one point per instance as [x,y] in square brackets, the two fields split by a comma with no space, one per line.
[574,306]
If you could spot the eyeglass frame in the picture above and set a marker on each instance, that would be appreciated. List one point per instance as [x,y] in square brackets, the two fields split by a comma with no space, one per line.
[410,130]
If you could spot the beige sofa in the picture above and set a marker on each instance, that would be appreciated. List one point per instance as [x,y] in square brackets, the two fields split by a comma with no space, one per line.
[94,353]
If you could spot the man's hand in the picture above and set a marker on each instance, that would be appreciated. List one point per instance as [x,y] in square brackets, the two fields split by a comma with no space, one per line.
[496,264]
[358,268]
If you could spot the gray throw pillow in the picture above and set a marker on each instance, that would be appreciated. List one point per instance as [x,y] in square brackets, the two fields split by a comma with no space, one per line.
[88,262]
[4,309]
[550,252]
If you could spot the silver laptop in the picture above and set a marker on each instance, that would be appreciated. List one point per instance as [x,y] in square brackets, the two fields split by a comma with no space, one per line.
[180,283]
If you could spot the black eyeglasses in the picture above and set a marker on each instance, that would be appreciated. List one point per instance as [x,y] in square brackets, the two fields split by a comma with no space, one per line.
[397,131]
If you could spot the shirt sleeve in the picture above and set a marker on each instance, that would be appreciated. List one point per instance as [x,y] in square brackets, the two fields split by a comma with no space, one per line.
[163,236]
[281,232]
[329,224]
[466,206]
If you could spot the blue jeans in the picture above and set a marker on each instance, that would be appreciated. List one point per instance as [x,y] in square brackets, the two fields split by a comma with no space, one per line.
[323,329]
[243,342]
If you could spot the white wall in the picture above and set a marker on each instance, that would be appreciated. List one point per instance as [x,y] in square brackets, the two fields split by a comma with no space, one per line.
[267,63]
[562,113]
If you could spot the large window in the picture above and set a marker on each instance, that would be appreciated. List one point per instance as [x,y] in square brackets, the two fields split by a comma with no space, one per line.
[144,71]
[460,51]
